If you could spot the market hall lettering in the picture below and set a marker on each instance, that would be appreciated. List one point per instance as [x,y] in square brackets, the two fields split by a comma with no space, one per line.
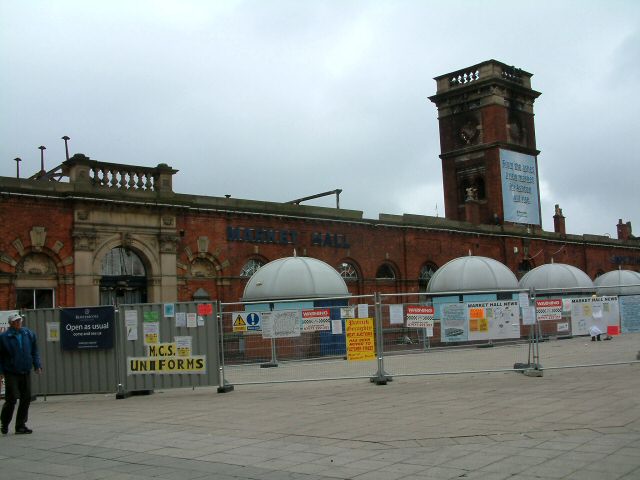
[285,237]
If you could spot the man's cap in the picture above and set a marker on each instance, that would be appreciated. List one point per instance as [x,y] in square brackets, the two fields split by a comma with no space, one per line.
[14,317]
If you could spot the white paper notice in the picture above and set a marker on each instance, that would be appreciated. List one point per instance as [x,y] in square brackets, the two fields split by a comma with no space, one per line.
[596,309]
[395,314]
[192,320]
[53,331]
[347,312]
[183,346]
[151,331]
[131,324]
[200,321]
[566,304]
[336,327]
[528,316]
[181,319]
[363,310]
[523,299]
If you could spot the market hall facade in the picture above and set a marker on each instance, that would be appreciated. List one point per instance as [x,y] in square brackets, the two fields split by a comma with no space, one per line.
[90,232]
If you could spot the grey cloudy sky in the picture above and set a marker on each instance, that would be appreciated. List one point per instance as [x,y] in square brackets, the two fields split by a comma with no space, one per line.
[276,100]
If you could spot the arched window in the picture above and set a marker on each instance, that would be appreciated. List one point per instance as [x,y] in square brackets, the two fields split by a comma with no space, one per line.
[124,278]
[385,272]
[201,267]
[426,272]
[251,267]
[348,272]
[122,262]
[36,281]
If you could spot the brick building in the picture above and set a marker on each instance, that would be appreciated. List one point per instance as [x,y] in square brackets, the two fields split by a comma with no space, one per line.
[91,232]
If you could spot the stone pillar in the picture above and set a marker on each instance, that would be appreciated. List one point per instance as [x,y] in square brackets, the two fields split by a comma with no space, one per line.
[163,178]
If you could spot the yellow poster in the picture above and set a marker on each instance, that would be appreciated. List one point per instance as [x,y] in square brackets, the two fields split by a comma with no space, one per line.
[360,339]
[196,364]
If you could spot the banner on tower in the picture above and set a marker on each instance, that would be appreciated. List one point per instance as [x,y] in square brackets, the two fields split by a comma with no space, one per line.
[520,196]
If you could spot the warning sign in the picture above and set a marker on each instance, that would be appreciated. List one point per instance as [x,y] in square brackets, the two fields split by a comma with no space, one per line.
[247,321]
[549,309]
[420,316]
[239,323]
[316,320]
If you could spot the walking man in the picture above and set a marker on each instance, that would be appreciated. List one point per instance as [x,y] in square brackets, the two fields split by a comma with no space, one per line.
[18,355]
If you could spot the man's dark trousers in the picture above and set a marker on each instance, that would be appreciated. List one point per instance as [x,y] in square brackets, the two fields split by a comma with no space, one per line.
[17,386]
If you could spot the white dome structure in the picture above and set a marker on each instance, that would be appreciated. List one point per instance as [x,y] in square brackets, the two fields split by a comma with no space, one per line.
[472,274]
[618,282]
[557,276]
[295,277]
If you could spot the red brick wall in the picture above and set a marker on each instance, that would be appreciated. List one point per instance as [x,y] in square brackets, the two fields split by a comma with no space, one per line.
[405,249]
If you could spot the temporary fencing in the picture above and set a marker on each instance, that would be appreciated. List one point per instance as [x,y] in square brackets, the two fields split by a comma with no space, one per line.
[143,347]
[412,334]
[134,349]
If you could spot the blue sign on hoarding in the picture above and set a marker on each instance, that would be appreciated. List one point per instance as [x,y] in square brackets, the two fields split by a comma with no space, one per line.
[520,197]
[86,328]
[253,321]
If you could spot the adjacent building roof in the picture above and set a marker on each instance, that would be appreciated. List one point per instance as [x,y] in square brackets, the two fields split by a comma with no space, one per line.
[555,277]
[295,277]
[618,282]
[472,274]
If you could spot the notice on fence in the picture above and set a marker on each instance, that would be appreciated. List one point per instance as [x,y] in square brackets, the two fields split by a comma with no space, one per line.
[498,320]
[630,313]
[454,323]
[86,328]
[151,332]
[420,316]
[131,324]
[316,320]
[281,324]
[549,309]
[195,364]
[589,311]
[53,331]
[360,340]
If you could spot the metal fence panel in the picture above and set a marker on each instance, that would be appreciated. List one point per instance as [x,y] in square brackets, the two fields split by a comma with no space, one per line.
[70,372]
[183,321]
[316,352]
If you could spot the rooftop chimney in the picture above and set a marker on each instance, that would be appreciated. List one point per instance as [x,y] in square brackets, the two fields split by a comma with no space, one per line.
[558,221]
[624,230]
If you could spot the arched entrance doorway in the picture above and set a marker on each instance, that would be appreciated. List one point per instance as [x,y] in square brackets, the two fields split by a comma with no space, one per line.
[124,278]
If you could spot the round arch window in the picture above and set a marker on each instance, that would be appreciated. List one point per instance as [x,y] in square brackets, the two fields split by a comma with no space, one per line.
[251,267]
[385,272]
[348,272]
[426,272]
[124,278]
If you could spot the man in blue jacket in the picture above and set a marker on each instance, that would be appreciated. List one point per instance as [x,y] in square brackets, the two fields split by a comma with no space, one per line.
[18,355]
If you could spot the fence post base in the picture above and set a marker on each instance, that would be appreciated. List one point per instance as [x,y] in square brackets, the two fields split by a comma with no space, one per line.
[268,365]
[529,369]
[226,388]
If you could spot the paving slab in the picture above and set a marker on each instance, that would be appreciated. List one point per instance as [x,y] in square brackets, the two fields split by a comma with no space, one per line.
[576,423]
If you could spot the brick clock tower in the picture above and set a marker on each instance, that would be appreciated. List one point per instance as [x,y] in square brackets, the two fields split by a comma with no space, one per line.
[488,144]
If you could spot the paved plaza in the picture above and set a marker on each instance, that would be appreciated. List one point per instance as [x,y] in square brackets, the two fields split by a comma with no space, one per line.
[574,423]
